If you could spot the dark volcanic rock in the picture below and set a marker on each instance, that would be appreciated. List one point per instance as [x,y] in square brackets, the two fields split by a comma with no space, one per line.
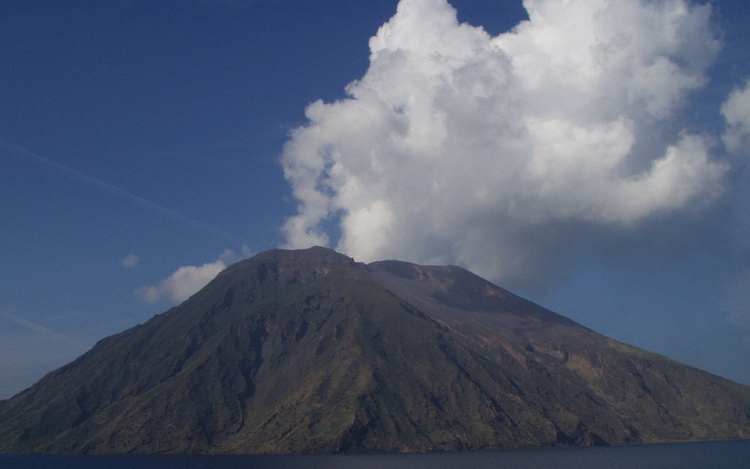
[309,351]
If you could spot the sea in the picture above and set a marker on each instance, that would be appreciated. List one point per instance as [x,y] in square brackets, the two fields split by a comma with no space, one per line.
[705,455]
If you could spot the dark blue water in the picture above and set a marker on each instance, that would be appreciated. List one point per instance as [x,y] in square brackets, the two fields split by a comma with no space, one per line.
[713,455]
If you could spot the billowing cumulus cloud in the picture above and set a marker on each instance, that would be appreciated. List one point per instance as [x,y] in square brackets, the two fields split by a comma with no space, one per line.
[186,280]
[499,153]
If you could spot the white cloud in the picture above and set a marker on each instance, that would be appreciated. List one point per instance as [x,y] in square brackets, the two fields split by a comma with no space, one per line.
[736,111]
[130,261]
[182,283]
[186,280]
[495,152]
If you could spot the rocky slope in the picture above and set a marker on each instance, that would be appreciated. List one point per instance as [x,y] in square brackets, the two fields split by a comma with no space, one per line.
[310,352]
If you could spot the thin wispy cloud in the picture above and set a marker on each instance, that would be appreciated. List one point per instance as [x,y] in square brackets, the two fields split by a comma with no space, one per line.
[19,152]
[30,349]
[39,329]
[130,261]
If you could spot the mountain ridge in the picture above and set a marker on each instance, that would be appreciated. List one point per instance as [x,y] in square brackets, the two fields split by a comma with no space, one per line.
[309,351]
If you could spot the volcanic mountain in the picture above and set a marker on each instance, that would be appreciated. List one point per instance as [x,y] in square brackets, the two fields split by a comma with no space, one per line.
[310,352]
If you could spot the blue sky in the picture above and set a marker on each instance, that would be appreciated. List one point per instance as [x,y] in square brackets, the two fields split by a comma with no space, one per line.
[593,159]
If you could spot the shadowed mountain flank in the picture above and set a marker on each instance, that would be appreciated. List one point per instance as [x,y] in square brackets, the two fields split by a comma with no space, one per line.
[310,352]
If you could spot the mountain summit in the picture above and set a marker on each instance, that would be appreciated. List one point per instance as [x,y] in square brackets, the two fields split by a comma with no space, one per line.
[311,352]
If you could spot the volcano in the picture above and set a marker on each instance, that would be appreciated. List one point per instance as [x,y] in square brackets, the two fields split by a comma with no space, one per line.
[309,351]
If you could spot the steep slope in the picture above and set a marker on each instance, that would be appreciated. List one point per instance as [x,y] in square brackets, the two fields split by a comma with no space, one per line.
[590,388]
[309,351]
